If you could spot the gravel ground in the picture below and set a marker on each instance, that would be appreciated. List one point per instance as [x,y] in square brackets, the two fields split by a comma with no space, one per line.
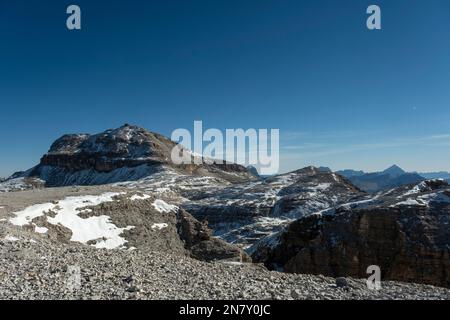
[33,266]
[48,270]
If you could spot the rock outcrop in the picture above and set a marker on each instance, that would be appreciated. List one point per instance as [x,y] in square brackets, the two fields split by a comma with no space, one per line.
[405,232]
[200,243]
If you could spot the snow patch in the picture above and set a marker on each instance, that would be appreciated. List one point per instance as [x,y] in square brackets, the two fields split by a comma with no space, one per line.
[26,216]
[11,238]
[359,204]
[162,206]
[40,229]
[159,226]
[438,197]
[97,228]
[138,197]
[410,202]
[322,186]
[335,178]
[421,187]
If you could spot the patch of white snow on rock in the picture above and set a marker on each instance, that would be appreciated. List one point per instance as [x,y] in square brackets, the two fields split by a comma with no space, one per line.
[410,202]
[84,230]
[40,229]
[159,226]
[138,197]
[11,238]
[163,206]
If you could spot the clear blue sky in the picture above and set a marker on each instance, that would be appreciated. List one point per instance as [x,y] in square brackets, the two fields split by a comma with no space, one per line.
[342,96]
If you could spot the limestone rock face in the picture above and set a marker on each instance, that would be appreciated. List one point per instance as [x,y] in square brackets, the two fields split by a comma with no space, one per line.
[406,233]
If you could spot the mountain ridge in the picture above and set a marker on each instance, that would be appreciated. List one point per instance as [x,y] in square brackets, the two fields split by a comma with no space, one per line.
[122,154]
[392,177]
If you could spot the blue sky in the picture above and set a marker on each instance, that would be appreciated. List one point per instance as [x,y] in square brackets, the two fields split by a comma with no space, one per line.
[341,95]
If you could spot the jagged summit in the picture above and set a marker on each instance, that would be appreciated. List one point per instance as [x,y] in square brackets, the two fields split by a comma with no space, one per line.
[394,171]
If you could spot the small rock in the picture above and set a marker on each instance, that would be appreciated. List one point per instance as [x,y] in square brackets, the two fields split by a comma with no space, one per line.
[128,279]
[296,294]
[341,282]
[132,289]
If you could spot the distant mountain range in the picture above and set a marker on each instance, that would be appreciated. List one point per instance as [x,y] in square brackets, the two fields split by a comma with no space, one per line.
[392,177]
[436,175]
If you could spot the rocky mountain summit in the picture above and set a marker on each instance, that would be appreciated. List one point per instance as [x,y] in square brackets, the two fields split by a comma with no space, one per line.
[123,154]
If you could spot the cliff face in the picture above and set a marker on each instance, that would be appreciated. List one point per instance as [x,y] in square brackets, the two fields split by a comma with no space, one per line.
[86,161]
[407,239]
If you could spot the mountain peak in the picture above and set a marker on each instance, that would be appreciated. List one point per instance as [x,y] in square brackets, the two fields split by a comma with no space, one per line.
[127,141]
[122,154]
[394,171]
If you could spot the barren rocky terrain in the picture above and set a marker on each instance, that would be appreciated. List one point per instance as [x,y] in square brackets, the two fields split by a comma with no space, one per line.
[108,216]
[40,266]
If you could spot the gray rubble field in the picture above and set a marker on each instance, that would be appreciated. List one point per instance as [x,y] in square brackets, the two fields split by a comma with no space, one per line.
[34,266]
[45,270]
